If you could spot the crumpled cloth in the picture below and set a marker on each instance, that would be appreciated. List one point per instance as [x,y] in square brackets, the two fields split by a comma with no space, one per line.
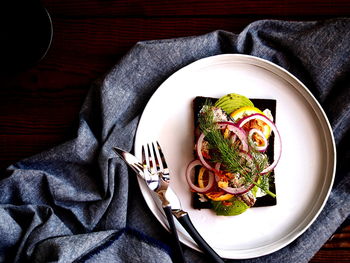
[78,202]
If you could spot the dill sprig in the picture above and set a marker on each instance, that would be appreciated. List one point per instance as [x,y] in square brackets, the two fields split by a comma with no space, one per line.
[229,154]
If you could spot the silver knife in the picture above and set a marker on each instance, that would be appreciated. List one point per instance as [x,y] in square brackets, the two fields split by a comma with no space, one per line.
[158,186]
[176,209]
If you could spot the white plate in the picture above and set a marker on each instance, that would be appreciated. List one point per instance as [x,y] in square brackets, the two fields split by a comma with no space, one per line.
[304,175]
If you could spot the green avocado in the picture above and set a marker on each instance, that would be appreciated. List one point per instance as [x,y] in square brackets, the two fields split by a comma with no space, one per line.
[231,102]
[237,207]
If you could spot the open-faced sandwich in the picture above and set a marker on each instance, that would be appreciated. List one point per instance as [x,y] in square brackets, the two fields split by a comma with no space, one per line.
[237,147]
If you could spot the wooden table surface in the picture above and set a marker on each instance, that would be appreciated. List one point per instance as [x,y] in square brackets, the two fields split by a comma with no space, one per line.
[39,107]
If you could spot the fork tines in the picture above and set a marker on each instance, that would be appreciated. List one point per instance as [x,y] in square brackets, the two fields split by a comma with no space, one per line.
[153,158]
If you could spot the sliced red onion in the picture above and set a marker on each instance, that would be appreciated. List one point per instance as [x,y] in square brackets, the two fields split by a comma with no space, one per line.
[252,143]
[217,169]
[190,178]
[199,153]
[239,132]
[278,141]
[235,190]
[239,190]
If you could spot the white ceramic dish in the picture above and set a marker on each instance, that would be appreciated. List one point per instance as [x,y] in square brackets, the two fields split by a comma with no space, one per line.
[304,175]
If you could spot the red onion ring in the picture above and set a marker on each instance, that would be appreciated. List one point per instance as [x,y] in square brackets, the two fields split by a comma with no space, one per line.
[273,127]
[199,153]
[239,132]
[235,190]
[217,169]
[250,140]
[189,178]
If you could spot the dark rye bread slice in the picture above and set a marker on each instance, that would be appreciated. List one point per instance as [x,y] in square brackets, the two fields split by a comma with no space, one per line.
[261,104]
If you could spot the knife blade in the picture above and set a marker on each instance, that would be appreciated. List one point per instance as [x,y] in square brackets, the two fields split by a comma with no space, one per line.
[142,172]
[176,208]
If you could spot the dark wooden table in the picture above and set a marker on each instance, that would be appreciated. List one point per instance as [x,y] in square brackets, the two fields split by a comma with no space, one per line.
[39,107]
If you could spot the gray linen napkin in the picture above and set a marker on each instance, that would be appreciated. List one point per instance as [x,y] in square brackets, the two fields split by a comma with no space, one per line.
[78,202]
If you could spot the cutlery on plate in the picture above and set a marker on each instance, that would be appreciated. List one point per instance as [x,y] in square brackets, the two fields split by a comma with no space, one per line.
[157,179]
[154,171]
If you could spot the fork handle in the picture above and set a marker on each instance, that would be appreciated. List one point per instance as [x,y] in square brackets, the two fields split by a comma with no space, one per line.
[186,222]
[178,254]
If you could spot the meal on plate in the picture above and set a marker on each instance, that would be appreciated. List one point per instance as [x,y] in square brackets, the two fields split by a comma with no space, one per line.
[237,147]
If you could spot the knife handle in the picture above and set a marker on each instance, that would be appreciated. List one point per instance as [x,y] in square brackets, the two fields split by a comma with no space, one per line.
[186,222]
[178,254]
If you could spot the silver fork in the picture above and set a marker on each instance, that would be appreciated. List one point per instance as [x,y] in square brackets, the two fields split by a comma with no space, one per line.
[156,174]
[154,171]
